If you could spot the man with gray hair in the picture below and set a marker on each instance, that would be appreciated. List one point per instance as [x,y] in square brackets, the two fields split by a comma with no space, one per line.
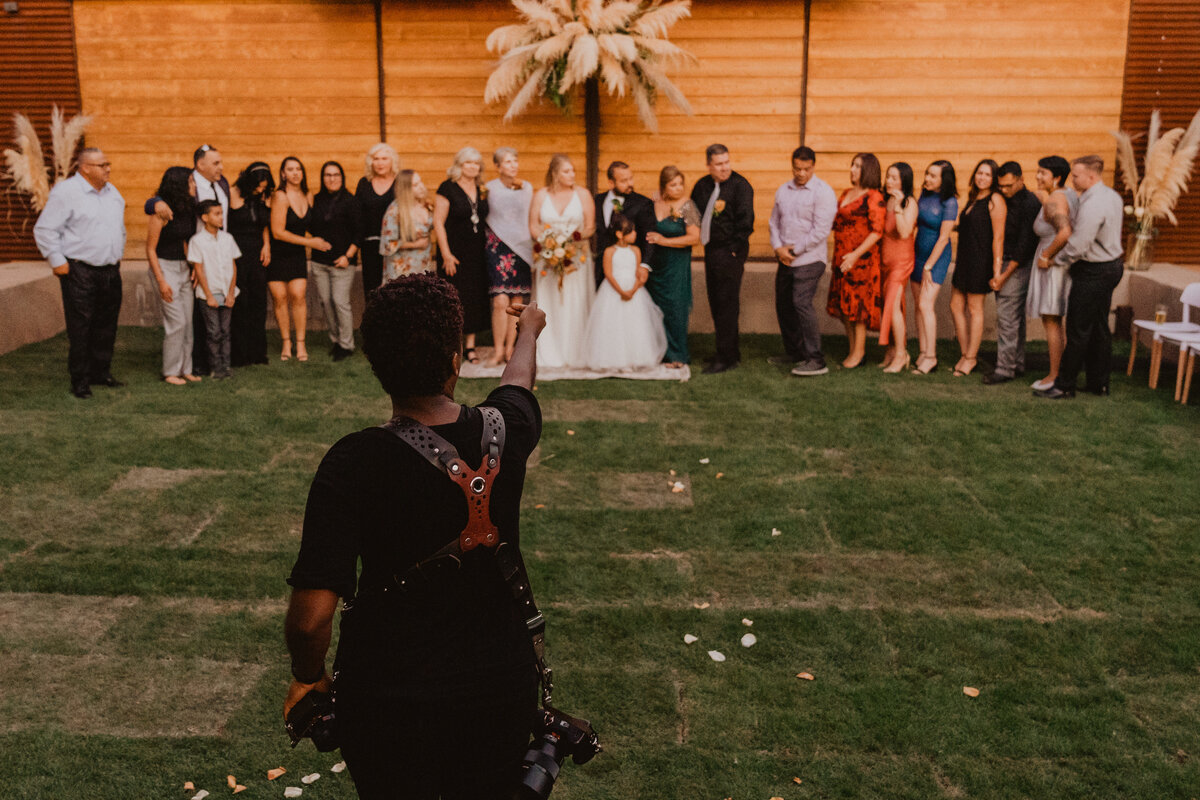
[1093,254]
[81,232]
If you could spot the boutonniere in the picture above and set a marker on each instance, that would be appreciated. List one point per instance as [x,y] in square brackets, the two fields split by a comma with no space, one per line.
[718,207]
[483,192]
[618,205]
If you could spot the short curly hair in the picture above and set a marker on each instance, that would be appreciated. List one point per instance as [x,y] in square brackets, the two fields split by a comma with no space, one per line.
[411,331]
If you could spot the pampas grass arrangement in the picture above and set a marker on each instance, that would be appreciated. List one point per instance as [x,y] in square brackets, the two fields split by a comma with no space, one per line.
[1166,170]
[564,43]
[25,166]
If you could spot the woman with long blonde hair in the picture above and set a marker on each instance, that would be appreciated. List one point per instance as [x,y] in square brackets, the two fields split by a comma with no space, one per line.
[374,193]
[459,211]
[406,240]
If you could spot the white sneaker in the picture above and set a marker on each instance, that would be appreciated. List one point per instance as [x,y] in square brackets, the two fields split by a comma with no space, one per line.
[1041,385]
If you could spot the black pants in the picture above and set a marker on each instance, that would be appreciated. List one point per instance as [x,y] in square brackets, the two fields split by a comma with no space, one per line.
[724,266]
[463,749]
[91,304]
[217,324]
[795,288]
[372,266]
[248,329]
[1089,340]
[200,365]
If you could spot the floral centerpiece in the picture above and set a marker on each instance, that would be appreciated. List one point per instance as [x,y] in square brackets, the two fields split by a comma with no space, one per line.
[557,251]
[1167,168]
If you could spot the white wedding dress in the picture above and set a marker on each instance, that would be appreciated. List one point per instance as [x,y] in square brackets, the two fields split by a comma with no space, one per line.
[560,344]
[624,335]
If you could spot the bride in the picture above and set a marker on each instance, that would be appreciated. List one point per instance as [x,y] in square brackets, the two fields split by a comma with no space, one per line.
[562,209]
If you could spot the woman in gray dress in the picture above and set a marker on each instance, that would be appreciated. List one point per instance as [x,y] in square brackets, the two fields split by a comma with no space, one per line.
[509,250]
[1049,284]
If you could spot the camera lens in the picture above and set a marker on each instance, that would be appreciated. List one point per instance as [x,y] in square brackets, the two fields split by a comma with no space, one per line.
[540,768]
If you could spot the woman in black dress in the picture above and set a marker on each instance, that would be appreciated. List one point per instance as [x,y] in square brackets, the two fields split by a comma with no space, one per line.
[374,194]
[980,258]
[287,274]
[249,219]
[458,219]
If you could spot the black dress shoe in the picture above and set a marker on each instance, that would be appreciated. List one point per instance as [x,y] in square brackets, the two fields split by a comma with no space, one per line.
[1054,393]
[718,367]
[994,378]
[110,381]
[1101,391]
[341,354]
[82,392]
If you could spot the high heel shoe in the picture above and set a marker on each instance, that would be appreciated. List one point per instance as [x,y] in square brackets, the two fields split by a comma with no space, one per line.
[931,368]
[286,353]
[892,370]
[961,372]
[301,353]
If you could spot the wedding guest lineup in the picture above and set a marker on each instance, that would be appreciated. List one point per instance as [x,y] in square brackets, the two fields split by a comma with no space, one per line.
[81,233]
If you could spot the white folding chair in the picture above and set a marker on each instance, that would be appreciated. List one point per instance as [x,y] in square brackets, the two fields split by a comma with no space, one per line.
[1188,350]
[1189,299]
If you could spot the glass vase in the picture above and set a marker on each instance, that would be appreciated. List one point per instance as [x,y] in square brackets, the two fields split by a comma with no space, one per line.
[1139,250]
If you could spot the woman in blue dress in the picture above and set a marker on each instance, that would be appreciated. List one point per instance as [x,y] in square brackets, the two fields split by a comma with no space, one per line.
[937,212]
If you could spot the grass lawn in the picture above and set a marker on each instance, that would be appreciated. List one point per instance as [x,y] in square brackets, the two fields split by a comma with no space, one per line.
[934,534]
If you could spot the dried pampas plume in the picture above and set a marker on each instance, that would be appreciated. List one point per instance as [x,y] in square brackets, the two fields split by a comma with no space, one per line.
[1167,169]
[26,166]
[64,138]
[561,44]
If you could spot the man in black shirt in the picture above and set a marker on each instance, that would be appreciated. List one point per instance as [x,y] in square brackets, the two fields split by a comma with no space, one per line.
[1012,285]
[436,686]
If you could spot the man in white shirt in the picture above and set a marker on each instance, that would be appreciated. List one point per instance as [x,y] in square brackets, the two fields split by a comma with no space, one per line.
[81,233]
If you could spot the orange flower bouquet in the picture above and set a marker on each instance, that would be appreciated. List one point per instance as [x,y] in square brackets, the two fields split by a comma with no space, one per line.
[557,251]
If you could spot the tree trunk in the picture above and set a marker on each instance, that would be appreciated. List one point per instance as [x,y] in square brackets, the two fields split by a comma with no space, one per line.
[591,123]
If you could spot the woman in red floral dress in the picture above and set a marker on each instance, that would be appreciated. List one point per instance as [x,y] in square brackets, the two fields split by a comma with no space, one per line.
[854,289]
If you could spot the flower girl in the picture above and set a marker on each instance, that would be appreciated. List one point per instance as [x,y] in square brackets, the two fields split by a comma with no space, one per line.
[625,330]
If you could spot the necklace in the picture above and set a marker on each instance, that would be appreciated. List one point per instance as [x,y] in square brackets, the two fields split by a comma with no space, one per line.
[474,209]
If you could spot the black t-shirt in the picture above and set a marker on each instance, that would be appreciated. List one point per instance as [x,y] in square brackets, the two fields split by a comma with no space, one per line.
[376,500]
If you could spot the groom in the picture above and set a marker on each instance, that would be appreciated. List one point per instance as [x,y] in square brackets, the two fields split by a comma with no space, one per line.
[622,199]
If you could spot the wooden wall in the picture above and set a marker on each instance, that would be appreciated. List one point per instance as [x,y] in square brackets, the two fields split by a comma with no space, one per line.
[257,80]
[920,80]
[909,80]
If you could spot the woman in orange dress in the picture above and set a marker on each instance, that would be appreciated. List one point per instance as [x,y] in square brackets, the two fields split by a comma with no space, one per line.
[854,282]
[899,259]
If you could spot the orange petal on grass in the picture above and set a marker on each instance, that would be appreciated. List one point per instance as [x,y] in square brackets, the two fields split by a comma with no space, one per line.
[720,474]
[272,774]
[701,606]
[540,505]
[189,786]
[776,798]
[231,781]
[808,676]
[797,781]
[239,788]
[970,691]
[671,473]
[570,432]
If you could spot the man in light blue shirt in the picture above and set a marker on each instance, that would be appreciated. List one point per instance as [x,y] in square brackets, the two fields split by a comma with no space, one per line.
[800,224]
[81,233]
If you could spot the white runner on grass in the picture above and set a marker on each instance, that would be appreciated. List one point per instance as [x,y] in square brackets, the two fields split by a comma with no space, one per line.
[660,373]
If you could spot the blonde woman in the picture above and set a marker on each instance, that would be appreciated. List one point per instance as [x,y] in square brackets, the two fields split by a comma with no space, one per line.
[406,241]
[459,212]
[565,295]
[509,249]
[374,194]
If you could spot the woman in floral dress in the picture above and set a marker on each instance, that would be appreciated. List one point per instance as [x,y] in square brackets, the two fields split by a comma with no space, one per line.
[406,240]
[509,249]
[854,295]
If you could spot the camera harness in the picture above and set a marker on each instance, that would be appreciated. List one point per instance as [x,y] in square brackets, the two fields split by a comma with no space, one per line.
[476,486]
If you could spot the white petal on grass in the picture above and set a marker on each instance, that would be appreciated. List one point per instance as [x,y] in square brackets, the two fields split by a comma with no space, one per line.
[747,622]
[200,795]
[776,532]
[716,655]
[338,767]
[293,791]
[749,640]
[310,778]
[689,638]
[705,461]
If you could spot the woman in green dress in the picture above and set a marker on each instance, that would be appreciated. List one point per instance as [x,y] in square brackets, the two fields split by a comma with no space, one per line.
[670,283]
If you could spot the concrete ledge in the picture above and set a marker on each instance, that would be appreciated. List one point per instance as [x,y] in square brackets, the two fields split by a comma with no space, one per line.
[31,302]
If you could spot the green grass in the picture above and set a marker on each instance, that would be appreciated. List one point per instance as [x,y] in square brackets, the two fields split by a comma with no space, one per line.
[935,534]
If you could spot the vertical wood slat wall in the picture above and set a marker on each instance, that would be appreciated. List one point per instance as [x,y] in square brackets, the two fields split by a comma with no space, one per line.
[963,80]
[1162,71]
[1005,79]
[257,80]
[37,65]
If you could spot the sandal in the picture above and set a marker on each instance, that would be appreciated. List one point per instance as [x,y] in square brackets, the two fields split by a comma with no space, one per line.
[931,368]
[959,372]
[470,356]
[301,353]
[286,354]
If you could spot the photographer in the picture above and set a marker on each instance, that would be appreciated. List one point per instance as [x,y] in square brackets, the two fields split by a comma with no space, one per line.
[436,684]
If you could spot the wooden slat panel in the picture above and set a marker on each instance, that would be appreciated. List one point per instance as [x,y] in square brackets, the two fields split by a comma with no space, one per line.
[1161,72]
[259,80]
[37,65]
[1006,79]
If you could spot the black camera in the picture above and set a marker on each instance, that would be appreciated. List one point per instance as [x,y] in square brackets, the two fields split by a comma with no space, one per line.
[556,735]
[312,718]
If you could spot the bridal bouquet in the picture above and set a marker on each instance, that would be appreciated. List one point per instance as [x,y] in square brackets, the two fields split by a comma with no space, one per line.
[557,250]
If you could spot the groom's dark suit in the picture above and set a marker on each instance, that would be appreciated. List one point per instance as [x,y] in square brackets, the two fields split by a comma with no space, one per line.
[636,207]
[725,256]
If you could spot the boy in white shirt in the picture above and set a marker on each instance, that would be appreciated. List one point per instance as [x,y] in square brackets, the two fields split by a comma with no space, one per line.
[212,253]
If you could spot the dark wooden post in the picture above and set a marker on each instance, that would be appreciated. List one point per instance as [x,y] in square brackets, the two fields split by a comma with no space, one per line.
[591,123]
